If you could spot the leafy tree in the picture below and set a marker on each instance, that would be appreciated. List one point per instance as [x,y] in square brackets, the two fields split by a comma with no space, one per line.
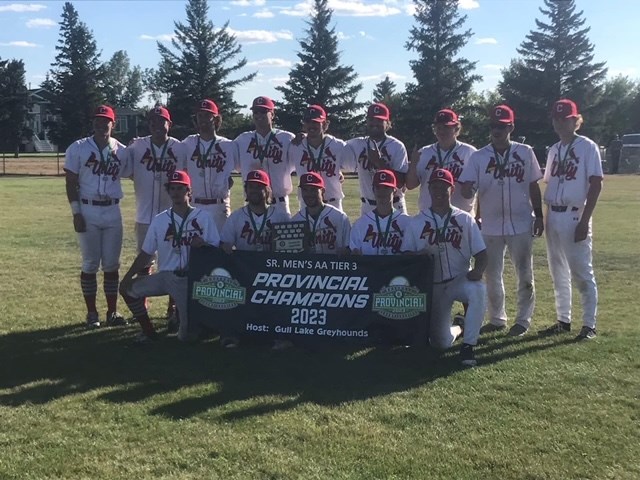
[122,85]
[75,79]
[384,90]
[556,60]
[13,104]
[320,79]
[442,79]
[199,66]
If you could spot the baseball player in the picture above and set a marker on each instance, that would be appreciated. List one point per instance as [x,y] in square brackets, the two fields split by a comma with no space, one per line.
[452,236]
[321,153]
[151,160]
[574,181]
[172,234]
[329,227]
[447,153]
[265,149]
[384,230]
[377,151]
[505,175]
[209,159]
[92,173]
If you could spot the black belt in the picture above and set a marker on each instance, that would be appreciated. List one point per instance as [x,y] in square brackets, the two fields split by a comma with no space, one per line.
[278,199]
[329,200]
[563,208]
[444,281]
[373,202]
[101,203]
[208,201]
[181,273]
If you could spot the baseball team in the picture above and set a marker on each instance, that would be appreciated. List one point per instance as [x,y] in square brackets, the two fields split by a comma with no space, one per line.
[473,206]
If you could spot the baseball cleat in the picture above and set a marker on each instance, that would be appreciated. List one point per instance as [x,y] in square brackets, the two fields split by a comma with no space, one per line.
[115,319]
[555,329]
[467,357]
[93,320]
[491,328]
[173,323]
[586,333]
[145,338]
[517,330]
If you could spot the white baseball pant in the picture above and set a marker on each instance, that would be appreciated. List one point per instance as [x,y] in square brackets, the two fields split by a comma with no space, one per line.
[101,243]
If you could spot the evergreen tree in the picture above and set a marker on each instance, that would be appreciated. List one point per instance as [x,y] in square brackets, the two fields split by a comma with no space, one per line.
[320,79]
[75,79]
[13,104]
[556,61]
[442,79]
[122,84]
[200,65]
[384,90]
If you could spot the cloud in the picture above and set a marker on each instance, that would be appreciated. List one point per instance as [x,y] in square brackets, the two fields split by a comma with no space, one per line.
[486,41]
[22,7]
[380,76]
[468,4]
[365,35]
[163,37]
[345,8]
[278,80]
[263,14]
[492,66]
[41,23]
[19,43]
[260,36]
[343,36]
[270,63]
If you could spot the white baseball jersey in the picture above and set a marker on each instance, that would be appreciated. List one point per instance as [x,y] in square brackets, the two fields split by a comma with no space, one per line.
[433,157]
[503,187]
[452,239]
[330,231]
[248,231]
[171,235]
[150,166]
[327,160]
[256,152]
[568,170]
[390,235]
[209,165]
[98,170]
[392,151]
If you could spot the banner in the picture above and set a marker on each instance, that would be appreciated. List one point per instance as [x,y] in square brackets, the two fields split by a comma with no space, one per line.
[310,297]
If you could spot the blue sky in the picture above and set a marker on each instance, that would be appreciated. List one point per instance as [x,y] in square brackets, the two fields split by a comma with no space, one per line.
[372,34]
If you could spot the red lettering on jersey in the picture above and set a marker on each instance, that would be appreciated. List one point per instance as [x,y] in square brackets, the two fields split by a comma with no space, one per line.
[327,165]
[187,237]
[512,169]
[151,164]
[216,159]
[250,236]
[570,169]
[393,241]
[274,152]
[363,159]
[327,236]
[453,235]
[109,168]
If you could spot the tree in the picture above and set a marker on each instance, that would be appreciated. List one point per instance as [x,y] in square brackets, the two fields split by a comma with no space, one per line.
[122,84]
[320,79]
[441,78]
[384,90]
[13,104]
[556,61]
[617,98]
[203,59]
[75,79]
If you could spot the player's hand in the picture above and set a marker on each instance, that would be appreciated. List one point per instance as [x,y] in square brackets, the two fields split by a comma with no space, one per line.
[197,242]
[414,157]
[79,225]
[479,222]
[341,177]
[538,227]
[227,248]
[297,140]
[356,251]
[582,230]
[474,275]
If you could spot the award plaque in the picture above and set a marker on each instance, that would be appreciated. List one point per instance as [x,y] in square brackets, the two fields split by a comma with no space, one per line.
[290,237]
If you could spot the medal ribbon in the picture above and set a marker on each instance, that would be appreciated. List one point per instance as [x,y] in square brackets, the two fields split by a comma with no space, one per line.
[262,151]
[505,159]
[316,161]
[178,233]
[164,150]
[387,230]
[441,232]
[315,223]
[443,161]
[563,163]
[258,231]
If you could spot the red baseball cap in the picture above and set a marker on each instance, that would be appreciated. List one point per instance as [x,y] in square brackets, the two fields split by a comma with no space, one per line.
[384,178]
[315,113]
[502,114]
[207,105]
[378,110]
[311,179]
[179,177]
[447,117]
[565,108]
[161,112]
[259,176]
[263,103]
[442,175]
[105,111]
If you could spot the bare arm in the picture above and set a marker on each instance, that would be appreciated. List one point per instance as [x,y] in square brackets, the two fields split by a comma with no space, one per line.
[142,260]
[412,181]
[479,265]
[467,189]
[72,186]
[595,187]
[536,202]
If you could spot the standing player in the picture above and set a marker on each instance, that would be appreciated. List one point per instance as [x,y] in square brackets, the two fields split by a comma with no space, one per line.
[265,149]
[209,159]
[172,234]
[574,181]
[378,151]
[320,153]
[384,230]
[447,153]
[92,167]
[505,175]
[329,226]
[151,161]
[453,238]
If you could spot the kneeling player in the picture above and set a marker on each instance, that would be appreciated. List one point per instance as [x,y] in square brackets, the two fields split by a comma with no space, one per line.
[172,233]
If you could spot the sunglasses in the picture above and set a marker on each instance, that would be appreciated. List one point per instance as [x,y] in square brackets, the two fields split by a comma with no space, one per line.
[177,186]
[500,126]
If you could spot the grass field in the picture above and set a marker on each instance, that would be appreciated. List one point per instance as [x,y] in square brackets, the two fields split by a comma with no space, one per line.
[87,404]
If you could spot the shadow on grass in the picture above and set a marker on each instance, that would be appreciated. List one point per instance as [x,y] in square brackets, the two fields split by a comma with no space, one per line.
[45,365]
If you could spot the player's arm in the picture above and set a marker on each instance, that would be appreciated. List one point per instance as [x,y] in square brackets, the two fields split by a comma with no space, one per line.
[536,203]
[479,265]
[411,180]
[142,260]
[72,185]
[595,187]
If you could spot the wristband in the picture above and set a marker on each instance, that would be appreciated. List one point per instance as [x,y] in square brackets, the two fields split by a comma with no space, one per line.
[75,207]
[537,212]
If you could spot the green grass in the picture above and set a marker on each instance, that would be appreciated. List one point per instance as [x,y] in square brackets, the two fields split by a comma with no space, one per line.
[87,404]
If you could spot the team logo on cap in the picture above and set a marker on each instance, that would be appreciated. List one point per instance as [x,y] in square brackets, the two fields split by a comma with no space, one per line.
[259,101]
[383,176]
[175,176]
[102,110]
[205,104]
[498,112]
[440,174]
[377,109]
[310,178]
[256,174]
[560,107]
[158,111]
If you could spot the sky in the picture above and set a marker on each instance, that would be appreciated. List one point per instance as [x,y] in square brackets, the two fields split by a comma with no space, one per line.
[372,35]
